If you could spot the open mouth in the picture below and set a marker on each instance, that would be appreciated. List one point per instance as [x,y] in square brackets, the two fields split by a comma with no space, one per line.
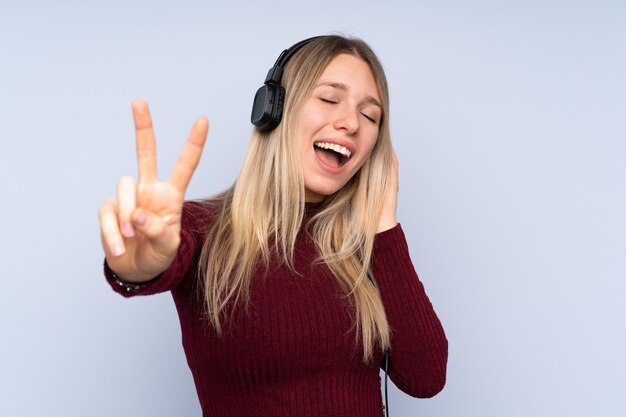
[332,154]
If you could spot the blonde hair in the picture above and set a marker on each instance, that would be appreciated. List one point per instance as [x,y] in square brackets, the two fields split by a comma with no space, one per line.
[262,213]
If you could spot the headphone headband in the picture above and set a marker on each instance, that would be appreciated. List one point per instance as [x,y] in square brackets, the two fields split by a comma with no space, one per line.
[267,109]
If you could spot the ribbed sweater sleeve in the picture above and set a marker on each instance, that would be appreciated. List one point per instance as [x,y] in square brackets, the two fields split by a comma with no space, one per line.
[174,274]
[419,348]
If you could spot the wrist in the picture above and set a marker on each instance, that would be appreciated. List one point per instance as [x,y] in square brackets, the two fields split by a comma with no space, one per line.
[128,285]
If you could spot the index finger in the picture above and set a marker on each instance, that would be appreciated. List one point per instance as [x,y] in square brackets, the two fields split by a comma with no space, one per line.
[146,146]
[190,155]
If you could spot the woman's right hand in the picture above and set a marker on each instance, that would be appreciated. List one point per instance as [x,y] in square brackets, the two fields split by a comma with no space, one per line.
[140,228]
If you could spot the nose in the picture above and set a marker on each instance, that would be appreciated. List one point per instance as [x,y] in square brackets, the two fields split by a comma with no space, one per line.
[347,120]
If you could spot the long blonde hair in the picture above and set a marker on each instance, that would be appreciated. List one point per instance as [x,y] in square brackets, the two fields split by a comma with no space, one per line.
[262,213]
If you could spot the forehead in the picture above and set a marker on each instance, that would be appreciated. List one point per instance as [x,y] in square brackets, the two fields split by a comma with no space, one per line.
[353,72]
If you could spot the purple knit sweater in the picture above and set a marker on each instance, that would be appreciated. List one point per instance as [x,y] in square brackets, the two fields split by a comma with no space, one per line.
[294,354]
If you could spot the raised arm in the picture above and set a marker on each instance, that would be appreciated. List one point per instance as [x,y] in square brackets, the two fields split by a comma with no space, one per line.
[419,347]
[140,227]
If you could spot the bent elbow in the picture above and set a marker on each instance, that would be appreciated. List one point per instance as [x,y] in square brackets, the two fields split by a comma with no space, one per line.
[434,387]
[427,386]
[427,378]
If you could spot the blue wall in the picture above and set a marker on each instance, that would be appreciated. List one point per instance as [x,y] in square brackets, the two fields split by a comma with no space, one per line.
[509,120]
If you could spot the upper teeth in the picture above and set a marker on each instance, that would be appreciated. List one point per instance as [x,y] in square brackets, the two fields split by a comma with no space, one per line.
[337,148]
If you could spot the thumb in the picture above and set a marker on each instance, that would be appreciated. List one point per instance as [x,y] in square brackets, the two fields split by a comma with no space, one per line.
[150,225]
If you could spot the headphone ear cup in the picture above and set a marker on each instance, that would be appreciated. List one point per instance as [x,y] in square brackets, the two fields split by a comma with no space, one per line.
[267,109]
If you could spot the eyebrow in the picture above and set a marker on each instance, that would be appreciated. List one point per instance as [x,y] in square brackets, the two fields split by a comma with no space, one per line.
[341,86]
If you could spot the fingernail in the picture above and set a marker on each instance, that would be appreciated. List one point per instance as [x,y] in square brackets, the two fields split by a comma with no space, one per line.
[128,230]
[117,249]
[141,218]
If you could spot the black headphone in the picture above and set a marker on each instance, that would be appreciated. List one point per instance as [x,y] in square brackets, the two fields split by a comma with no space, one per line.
[267,109]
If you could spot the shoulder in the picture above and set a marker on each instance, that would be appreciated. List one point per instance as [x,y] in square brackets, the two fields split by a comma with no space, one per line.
[199,215]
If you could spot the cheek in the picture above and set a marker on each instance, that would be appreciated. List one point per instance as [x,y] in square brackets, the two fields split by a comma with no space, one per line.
[363,158]
[311,120]
[369,147]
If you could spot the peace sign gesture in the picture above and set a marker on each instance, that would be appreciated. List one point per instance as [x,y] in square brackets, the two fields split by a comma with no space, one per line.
[140,228]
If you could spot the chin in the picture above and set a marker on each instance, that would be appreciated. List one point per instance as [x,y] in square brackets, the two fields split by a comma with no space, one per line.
[322,191]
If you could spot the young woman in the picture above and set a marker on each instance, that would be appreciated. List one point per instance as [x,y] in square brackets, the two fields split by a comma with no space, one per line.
[293,283]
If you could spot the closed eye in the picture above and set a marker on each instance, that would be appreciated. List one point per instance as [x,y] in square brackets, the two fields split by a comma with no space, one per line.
[370,118]
[325,100]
